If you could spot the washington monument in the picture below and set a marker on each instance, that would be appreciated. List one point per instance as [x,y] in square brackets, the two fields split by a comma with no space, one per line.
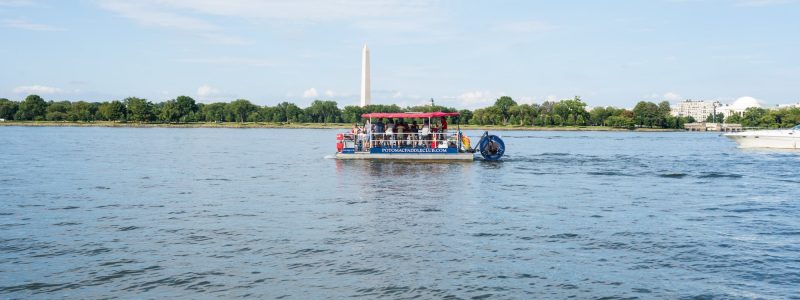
[365,97]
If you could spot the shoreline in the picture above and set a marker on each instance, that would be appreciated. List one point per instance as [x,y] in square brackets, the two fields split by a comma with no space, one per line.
[311,126]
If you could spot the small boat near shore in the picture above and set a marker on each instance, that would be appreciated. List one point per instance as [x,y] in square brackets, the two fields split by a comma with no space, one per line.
[776,139]
[425,141]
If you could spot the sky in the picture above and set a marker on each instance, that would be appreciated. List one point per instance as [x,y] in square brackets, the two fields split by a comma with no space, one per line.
[463,54]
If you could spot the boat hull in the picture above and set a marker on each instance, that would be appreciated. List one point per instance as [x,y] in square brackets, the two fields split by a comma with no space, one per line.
[408,156]
[761,141]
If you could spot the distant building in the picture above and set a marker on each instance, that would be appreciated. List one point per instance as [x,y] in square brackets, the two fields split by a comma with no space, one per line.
[703,126]
[739,106]
[793,105]
[698,110]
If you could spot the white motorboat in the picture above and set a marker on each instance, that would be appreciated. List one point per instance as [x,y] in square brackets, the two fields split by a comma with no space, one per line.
[779,138]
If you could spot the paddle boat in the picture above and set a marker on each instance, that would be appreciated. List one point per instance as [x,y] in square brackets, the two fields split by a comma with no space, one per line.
[414,136]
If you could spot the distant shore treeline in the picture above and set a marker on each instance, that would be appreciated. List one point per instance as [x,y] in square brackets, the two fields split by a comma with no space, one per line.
[183,109]
[764,118]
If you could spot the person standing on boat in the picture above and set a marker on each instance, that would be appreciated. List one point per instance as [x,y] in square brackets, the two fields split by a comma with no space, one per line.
[390,131]
[401,128]
[354,134]
[424,134]
[414,129]
[378,132]
[368,133]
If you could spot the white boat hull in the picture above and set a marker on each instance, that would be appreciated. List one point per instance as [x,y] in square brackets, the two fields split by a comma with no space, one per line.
[410,156]
[777,139]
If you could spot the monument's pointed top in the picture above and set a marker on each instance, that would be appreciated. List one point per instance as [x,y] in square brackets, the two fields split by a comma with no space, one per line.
[365,46]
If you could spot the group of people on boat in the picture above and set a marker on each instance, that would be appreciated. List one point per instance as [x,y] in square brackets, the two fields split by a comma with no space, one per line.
[399,133]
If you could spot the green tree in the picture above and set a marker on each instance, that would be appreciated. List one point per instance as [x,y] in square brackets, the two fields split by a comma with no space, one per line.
[521,115]
[503,106]
[214,112]
[576,108]
[598,115]
[664,109]
[7,109]
[733,119]
[323,112]
[646,114]
[715,118]
[241,109]
[57,111]
[32,108]
[80,111]
[112,111]
[352,114]
[170,111]
[752,117]
[465,116]
[139,110]
[185,107]
[620,121]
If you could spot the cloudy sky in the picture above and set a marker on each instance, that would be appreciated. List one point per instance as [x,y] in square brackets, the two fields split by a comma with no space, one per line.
[461,53]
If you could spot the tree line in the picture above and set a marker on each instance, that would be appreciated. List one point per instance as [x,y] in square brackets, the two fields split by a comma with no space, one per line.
[572,112]
[183,109]
[766,118]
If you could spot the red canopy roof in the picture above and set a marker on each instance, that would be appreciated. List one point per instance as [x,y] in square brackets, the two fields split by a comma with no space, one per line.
[410,115]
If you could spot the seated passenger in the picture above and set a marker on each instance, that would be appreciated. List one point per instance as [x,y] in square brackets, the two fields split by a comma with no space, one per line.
[401,129]
[413,130]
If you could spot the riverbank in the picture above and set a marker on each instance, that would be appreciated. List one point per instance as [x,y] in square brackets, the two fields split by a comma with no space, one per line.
[307,126]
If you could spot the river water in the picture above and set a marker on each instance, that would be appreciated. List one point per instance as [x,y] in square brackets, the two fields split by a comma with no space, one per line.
[266,213]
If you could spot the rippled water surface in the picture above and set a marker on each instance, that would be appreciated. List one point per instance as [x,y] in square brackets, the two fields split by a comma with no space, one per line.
[262,213]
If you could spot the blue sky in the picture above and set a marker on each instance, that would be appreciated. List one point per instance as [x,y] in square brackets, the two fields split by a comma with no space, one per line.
[461,53]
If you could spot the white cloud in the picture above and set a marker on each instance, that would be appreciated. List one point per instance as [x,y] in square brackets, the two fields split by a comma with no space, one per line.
[671,96]
[206,91]
[13,3]
[195,16]
[313,10]
[153,14]
[757,3]
[310,93]
[225,60]
[145,14]
[531,26]
[471,99]
[329,93]
[26,25]
[37,89]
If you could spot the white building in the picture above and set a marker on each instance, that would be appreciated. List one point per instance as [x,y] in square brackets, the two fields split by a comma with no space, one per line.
[740,106]
[789,105]
[699,110]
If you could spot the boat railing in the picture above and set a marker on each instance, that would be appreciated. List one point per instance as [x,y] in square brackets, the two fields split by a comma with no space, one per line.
[363,142]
